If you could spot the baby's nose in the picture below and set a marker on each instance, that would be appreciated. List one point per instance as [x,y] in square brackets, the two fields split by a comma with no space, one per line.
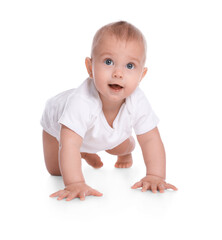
[117,73]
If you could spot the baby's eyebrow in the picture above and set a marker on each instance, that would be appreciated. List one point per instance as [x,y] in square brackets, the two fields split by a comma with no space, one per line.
[134,59]
[105,54]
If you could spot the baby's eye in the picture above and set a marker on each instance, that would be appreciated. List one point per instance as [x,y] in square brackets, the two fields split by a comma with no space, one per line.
[130,66]
[109,62]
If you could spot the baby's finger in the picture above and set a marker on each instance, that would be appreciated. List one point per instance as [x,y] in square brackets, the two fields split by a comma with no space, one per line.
[56,194]
[137,185]
[146,186]
[168,186]
[82,196]
[154,188]
[161,188]
[71,196]
[95,193]
[63,195]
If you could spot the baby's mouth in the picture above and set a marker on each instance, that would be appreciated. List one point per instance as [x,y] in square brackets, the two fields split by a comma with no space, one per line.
[115,86]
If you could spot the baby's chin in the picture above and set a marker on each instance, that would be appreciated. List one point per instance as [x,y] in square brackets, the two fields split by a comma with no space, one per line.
[113,97]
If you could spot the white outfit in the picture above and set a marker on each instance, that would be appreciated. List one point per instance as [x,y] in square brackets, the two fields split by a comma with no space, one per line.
[81,110]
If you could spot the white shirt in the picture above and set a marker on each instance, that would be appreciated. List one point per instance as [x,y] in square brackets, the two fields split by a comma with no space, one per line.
[81,110]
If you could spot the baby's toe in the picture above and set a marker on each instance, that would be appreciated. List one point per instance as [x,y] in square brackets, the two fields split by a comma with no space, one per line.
[99,164]
[123,165]
[117,165]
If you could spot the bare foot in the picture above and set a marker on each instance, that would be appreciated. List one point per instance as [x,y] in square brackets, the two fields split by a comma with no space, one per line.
[125,161]
[92,159]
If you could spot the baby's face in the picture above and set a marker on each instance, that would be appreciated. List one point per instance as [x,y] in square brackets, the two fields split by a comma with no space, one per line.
[117,67]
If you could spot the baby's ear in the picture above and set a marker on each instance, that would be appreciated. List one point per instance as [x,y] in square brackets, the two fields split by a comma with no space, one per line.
[144,72]
[88,63]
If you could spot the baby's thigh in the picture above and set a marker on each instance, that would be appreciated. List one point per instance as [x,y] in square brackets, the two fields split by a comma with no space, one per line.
[124,148]
[51,150]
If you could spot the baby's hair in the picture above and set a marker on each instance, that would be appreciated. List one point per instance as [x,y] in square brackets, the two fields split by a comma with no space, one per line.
[122,30]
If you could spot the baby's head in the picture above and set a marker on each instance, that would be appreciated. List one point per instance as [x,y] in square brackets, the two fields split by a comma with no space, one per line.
[117,60]
[120,30]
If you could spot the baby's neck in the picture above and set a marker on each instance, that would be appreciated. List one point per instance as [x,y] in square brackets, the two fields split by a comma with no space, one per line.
[108,106]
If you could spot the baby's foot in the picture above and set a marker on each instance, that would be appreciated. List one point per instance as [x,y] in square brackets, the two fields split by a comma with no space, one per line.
[125,161]
[92,159]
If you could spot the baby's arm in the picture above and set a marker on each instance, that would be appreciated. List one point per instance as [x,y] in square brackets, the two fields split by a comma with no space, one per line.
[155,161]
[70,167]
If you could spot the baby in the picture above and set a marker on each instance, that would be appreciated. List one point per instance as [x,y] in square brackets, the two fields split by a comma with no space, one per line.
[100,114]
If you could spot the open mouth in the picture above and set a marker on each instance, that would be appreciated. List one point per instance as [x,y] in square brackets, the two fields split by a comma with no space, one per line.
[115,86]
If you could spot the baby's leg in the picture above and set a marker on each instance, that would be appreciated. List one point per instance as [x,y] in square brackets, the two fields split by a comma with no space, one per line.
[51,155]
[51,151]
[123,151]
[92,159]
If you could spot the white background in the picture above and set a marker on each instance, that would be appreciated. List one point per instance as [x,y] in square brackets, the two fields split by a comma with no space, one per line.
[43,45]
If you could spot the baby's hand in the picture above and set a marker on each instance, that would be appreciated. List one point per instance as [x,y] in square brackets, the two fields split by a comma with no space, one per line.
[74,190]
[153,183]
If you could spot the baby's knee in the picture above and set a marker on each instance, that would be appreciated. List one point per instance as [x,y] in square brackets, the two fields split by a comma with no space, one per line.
[53,172]
[129,146]
[124,148]
[132,144]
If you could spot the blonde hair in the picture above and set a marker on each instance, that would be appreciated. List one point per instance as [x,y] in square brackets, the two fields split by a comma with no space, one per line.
[122,30]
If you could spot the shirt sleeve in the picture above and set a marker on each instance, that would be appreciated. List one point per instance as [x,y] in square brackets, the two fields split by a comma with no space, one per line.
[144,117]
[76,114]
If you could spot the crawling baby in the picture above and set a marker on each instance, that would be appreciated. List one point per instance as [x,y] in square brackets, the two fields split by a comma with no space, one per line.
[101,113]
